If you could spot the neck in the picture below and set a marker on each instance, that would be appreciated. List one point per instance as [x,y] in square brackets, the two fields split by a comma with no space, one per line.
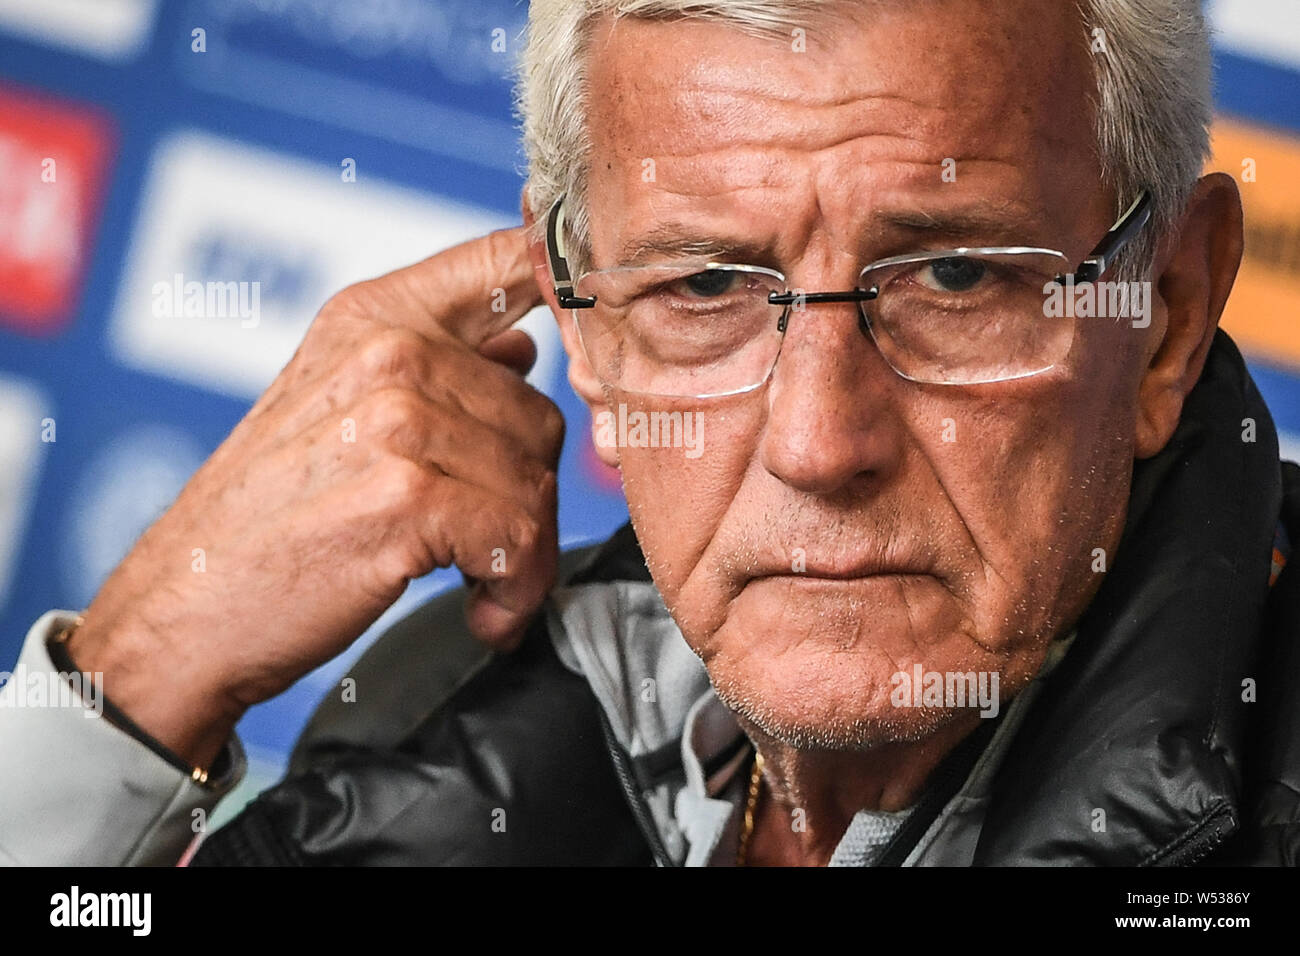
[809,797]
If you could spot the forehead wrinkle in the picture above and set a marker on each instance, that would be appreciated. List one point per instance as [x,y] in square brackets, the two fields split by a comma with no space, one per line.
[713,152]
[694,123]
[709,96]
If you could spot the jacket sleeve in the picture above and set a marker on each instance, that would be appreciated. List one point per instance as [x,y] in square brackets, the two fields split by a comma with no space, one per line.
[77,790]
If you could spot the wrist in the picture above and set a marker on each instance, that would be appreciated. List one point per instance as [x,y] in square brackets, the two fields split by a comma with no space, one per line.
[156,691]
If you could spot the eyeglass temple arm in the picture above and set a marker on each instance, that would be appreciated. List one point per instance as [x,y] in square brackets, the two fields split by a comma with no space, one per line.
[559,263]
[1120,235]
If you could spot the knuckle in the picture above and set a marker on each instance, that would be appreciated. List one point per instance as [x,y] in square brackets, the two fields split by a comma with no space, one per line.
[524,533]
[541,481]
[534,475]
[391,413]
[411,557]
[404,484]
[497,254]
[351,300]
[533,480]
[392,355]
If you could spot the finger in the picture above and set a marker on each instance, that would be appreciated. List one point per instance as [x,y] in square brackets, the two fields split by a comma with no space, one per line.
[411,425]
[500,398]
[472,291]
[512,554]
[498,608]
[513,348]
[447,372]
[501,627]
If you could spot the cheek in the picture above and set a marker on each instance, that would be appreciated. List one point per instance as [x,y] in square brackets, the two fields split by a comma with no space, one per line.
[1038,491]
[679,490]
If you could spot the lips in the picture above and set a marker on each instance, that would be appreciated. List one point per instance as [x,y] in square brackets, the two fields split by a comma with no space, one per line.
[855,575]
[850,571]
[811,575]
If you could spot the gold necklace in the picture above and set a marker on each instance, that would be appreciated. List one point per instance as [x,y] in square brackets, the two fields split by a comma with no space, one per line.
[747,825]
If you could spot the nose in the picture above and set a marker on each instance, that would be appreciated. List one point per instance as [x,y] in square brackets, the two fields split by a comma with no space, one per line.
[832,403]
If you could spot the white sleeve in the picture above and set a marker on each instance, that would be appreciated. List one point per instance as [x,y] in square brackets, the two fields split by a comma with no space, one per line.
[77,790]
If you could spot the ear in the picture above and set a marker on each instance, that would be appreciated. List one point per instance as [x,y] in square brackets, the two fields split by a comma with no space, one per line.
[581,377]
[1196,269]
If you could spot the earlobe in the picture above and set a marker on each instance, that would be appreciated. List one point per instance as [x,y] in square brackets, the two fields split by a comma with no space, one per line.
[581,377]
[1194,275]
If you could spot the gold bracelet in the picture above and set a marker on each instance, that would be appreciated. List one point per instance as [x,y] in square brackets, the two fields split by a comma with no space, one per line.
[66,631]
[117,717]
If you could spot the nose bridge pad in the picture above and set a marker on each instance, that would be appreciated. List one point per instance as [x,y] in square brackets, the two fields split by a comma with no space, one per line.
[864,323]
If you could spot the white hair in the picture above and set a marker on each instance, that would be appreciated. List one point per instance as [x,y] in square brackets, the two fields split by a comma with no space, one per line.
[1152,103]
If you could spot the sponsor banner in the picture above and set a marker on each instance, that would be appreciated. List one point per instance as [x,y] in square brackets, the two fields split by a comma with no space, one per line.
[430,49]
[55,156]
[1260,314]
[1263,29]
[236,248]
[404,71]
[114,30]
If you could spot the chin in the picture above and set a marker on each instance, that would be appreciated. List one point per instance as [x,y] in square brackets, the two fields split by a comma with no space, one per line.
[810,709]
[818,664]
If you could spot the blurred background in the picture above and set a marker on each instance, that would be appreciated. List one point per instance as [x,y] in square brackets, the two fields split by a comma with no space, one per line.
[306,144]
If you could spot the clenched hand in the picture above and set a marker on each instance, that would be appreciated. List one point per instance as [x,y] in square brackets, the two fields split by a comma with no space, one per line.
[400,438]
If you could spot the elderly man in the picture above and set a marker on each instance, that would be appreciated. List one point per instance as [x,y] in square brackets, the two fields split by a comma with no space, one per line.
[900,321]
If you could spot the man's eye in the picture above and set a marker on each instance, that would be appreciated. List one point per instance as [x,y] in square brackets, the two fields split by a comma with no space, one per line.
[953,275]
[713,282]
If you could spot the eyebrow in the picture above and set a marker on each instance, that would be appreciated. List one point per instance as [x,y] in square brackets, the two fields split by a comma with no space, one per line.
[675,239]
[1008,223]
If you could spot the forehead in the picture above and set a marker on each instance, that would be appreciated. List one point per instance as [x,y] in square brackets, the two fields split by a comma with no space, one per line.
[698,118]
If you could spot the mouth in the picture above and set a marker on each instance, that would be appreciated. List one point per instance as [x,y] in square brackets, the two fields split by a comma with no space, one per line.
[830,567]
[855,573]
[841,582]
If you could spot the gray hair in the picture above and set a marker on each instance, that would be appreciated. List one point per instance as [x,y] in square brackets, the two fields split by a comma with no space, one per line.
[1152,107]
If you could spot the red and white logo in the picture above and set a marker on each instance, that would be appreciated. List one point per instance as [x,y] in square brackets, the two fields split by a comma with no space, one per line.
[55,157]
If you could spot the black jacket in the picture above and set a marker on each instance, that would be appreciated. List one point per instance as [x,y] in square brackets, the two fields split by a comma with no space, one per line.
[1149,716]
